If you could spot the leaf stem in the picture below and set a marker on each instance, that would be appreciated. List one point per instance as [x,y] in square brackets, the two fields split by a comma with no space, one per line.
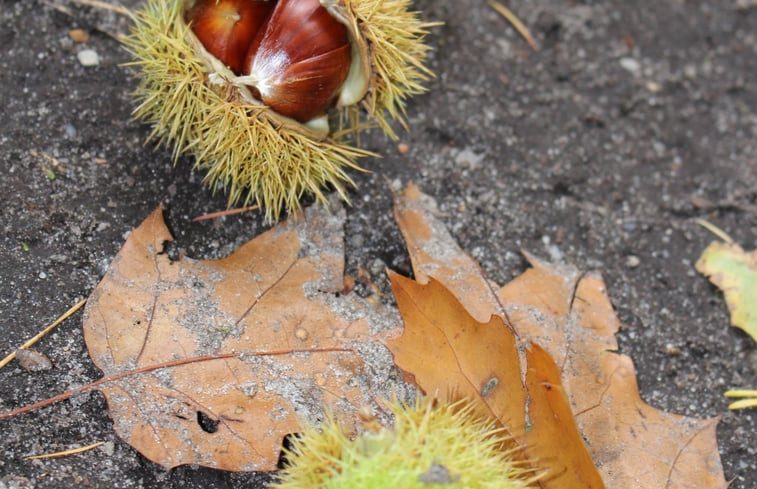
[149,368]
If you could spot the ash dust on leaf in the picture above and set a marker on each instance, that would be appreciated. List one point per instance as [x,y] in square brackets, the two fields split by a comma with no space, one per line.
[268,342]
[563,323]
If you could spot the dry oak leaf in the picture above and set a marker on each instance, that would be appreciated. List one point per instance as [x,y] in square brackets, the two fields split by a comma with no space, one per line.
[267,338]
[445,351]
[569,314]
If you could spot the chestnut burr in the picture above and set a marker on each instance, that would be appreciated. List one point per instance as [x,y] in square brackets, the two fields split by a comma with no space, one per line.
[269,95]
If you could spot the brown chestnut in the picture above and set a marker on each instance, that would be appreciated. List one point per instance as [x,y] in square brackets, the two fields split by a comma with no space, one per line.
[298,62]
[227,27]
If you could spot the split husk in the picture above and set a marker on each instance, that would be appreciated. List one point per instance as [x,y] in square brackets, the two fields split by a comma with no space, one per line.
[255,155]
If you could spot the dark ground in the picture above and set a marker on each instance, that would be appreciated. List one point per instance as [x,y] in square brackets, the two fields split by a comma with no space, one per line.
[604,146]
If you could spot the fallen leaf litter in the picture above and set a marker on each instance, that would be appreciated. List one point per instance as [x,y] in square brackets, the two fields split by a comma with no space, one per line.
[301,348]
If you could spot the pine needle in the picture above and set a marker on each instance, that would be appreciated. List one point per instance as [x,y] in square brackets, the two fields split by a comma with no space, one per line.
[66,453]
[5,361]
[515,22]
[714,230]
[103,6]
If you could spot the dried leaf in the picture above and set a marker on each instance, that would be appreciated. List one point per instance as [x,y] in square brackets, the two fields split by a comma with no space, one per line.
[296,346]
[569,314]
[443,348]
[447,351]
[734,271]
[433,252]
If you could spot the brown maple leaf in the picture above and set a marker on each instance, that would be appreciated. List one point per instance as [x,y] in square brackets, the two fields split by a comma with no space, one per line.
[449,353]
[569,314]
[253,343]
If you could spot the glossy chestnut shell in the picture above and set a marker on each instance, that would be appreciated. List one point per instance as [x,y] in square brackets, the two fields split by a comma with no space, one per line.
[293,55]
[227,27]
[300,60]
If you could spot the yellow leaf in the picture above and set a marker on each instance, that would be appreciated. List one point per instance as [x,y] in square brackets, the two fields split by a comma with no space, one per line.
[734,271]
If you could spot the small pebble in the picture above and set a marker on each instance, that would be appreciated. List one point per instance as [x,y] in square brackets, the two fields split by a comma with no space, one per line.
[438,474]
[403,148]
[88,57]
[671,349]
[33,361]
[108,447]
[630,65]
[377,267]
[78,35]
[632,261]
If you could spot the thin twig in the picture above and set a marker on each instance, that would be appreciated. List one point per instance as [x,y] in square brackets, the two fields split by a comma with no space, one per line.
[65,453]
[714,230]
[515,22]
[103,6]
[149,368]
[67,11]
[5,361]
[228,212]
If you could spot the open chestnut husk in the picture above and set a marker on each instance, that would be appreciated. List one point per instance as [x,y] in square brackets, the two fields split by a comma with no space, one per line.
[267,94]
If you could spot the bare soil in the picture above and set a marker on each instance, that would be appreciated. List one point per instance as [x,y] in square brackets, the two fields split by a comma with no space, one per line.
[601,149]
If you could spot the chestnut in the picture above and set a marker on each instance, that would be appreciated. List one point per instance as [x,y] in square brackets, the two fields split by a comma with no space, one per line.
[268,94]
[298,62]
[227,27]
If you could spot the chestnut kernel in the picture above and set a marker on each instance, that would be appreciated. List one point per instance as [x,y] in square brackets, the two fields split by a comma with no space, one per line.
[227,27]
[297,64]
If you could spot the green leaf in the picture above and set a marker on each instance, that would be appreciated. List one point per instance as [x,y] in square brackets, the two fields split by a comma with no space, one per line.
[734,271]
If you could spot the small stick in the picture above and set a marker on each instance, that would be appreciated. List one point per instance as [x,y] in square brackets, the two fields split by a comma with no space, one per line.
[515,22]
[65,453]
[149,368]
[104,6]
[228,212]
[5,361]
[714,230]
